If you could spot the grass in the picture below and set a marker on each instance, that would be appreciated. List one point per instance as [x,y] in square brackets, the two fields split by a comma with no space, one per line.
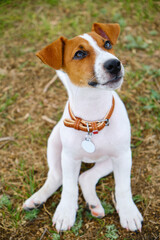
[138,198]
[78,224]
[56,236]
[135,42]
[7,100]
[6,207]
[5,202]
[111,232]
[30,182]
[108,208]
[26,27]
[30,215]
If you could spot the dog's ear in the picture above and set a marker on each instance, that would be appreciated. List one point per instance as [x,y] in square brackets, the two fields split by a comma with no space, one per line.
[52,54]
[108,31]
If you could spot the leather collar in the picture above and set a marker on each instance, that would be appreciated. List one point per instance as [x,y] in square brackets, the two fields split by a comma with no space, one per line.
[86,126]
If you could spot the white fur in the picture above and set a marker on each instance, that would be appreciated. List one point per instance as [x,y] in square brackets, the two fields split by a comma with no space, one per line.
[112,153]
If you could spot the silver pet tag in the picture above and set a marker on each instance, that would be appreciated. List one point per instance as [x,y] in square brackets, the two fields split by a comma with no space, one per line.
[87,144]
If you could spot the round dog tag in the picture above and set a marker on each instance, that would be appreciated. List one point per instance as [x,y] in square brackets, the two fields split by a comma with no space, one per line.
[88,146]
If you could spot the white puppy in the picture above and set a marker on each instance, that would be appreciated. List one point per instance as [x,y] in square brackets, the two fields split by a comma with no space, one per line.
[90,71]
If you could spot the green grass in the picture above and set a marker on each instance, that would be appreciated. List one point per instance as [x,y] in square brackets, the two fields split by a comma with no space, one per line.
[56,236]
[30,215]
[148,103]
[117,17]
[108,208]
[7,100]
[35,24]
[137,9]
[138,198]
[135,42]
[30,182]
[111,232]
[7,208]
[2,76]
[38,136]
[108,188]
[78,224]
[5,202]
[153,33]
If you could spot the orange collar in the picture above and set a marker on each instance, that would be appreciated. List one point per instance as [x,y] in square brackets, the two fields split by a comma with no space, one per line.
[86,126]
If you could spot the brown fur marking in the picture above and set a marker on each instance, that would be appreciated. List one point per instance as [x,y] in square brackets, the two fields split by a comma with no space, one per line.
[60,53]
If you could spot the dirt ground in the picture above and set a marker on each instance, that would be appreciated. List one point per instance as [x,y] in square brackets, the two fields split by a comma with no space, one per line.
[30,107]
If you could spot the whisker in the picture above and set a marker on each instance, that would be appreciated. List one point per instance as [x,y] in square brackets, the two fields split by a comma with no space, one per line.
[91,79]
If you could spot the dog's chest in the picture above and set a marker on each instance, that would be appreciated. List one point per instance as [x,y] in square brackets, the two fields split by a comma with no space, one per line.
[110,141]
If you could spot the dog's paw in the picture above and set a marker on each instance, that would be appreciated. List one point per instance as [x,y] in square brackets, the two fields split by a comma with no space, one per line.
[130,217]
[96,210]
[64,217]
[35,201]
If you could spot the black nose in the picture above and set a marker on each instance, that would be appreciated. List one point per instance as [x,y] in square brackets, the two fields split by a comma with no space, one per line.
[112,66]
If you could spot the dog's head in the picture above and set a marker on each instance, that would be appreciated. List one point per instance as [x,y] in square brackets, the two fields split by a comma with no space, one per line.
[88,59]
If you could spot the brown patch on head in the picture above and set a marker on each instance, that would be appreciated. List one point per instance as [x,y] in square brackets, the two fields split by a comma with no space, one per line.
[80,71]
[100,42]
[107,31]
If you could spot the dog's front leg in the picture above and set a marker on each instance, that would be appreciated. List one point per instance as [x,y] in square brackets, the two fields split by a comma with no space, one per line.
[130,217]
[54,178]
[65,214]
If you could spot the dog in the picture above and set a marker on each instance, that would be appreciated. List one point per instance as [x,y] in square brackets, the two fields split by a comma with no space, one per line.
[94,128]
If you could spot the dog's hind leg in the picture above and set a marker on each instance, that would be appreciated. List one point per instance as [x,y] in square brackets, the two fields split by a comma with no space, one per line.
[88,181]
[54,178]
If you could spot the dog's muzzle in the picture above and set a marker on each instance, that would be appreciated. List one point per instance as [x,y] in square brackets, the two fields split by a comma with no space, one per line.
[112,74]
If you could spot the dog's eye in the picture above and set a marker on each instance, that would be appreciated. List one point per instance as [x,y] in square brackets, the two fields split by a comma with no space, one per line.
[80,55]
[108,45]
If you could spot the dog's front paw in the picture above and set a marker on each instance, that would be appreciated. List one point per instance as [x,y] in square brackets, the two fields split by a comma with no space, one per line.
[64,216]
[96,210]
[35,201]
[130,217]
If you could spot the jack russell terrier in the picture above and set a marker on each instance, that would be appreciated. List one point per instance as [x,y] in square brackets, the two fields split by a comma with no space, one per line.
[94,128]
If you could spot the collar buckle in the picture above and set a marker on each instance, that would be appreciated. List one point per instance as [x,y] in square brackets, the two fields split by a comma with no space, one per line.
[106,121]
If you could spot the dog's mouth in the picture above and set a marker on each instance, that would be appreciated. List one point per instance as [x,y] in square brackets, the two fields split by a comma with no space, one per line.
[113,80]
